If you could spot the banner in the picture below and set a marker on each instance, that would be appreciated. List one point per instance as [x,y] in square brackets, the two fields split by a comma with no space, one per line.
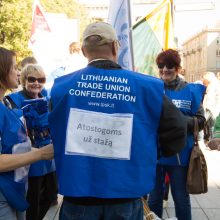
[51,36]
[40,25]
[119,18]
[152,34]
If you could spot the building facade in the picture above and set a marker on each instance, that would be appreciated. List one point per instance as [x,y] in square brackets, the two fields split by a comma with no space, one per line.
[201,53]
[98,10]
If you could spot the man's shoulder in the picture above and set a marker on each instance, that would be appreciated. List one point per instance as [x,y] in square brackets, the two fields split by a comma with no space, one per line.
[144,77]
[62,83]
[63,80]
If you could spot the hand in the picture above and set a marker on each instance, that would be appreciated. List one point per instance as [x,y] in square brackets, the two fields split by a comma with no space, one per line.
[47,152]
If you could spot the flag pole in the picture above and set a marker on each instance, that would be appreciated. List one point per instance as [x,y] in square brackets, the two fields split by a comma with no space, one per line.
[130,33]
[173,22]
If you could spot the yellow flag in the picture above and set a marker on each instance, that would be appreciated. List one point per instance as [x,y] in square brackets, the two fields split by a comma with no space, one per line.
[152,34]
[161,22]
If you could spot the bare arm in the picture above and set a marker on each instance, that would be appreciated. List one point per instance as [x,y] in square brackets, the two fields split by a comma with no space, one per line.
[10,162]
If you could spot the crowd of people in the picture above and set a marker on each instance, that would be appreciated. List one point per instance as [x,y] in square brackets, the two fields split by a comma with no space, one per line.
[114,134]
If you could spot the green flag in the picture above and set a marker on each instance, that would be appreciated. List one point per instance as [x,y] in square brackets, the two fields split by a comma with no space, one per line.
[146,47]
[150,36]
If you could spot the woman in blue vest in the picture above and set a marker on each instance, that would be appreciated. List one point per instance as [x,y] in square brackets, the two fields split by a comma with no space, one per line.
[15,147]
[42,184]
[188,98]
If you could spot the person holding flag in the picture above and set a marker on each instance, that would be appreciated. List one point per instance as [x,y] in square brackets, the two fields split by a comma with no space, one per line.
[105,130]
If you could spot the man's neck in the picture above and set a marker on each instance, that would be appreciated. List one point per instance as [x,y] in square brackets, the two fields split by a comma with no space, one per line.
[97,59]
[104,64]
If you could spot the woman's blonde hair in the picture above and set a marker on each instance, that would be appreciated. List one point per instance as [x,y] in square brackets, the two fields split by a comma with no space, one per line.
[30,69]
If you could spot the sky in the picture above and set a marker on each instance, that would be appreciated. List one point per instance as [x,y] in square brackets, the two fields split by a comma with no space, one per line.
[187,22]
[94,1]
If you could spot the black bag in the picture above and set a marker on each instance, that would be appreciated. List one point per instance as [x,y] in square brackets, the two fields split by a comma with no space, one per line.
[197,176]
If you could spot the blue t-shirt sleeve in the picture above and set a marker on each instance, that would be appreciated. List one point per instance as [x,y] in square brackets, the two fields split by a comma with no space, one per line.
[2,110]
[0,145]
[3,122]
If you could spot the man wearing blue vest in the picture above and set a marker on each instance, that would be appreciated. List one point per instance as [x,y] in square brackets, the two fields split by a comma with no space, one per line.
[107,126]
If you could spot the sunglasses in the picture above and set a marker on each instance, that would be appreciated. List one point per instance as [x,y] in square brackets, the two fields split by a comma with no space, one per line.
[32,79]
[162,65]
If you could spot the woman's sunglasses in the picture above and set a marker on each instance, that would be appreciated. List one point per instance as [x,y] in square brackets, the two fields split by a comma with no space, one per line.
[32,79]
[162,65]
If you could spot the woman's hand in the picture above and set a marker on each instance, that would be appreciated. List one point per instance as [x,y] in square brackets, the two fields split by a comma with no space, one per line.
[13,161]
[46,152]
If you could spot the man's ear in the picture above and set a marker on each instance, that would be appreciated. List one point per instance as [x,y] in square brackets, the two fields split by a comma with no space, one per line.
[83,51]
[114,48]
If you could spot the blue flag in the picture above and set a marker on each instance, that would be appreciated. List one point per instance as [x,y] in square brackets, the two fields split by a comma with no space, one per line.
[119,18]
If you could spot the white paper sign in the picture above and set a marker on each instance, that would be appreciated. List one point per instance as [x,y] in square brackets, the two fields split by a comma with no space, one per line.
[99,134]
[21,173]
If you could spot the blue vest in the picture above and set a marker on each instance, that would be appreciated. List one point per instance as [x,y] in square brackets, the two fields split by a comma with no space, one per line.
[41,167]
[13,139]
[188,100]
[104,128]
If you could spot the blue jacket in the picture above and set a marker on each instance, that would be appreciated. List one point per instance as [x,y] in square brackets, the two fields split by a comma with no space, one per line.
[104,128]
[13,139]
[188,100]
[41,167]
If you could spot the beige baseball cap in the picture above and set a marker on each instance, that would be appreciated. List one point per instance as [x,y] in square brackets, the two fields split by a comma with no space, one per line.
[106,32]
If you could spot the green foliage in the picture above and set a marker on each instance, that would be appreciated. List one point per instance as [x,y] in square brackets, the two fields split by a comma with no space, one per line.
[68,7]
[16,20]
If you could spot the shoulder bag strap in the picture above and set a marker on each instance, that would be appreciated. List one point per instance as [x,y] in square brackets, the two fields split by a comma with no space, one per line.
[196,131]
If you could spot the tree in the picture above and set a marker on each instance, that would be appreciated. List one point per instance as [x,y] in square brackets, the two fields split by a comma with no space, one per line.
[16,19]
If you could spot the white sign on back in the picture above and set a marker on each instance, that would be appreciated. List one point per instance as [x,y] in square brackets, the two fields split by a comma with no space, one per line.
[99,134]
